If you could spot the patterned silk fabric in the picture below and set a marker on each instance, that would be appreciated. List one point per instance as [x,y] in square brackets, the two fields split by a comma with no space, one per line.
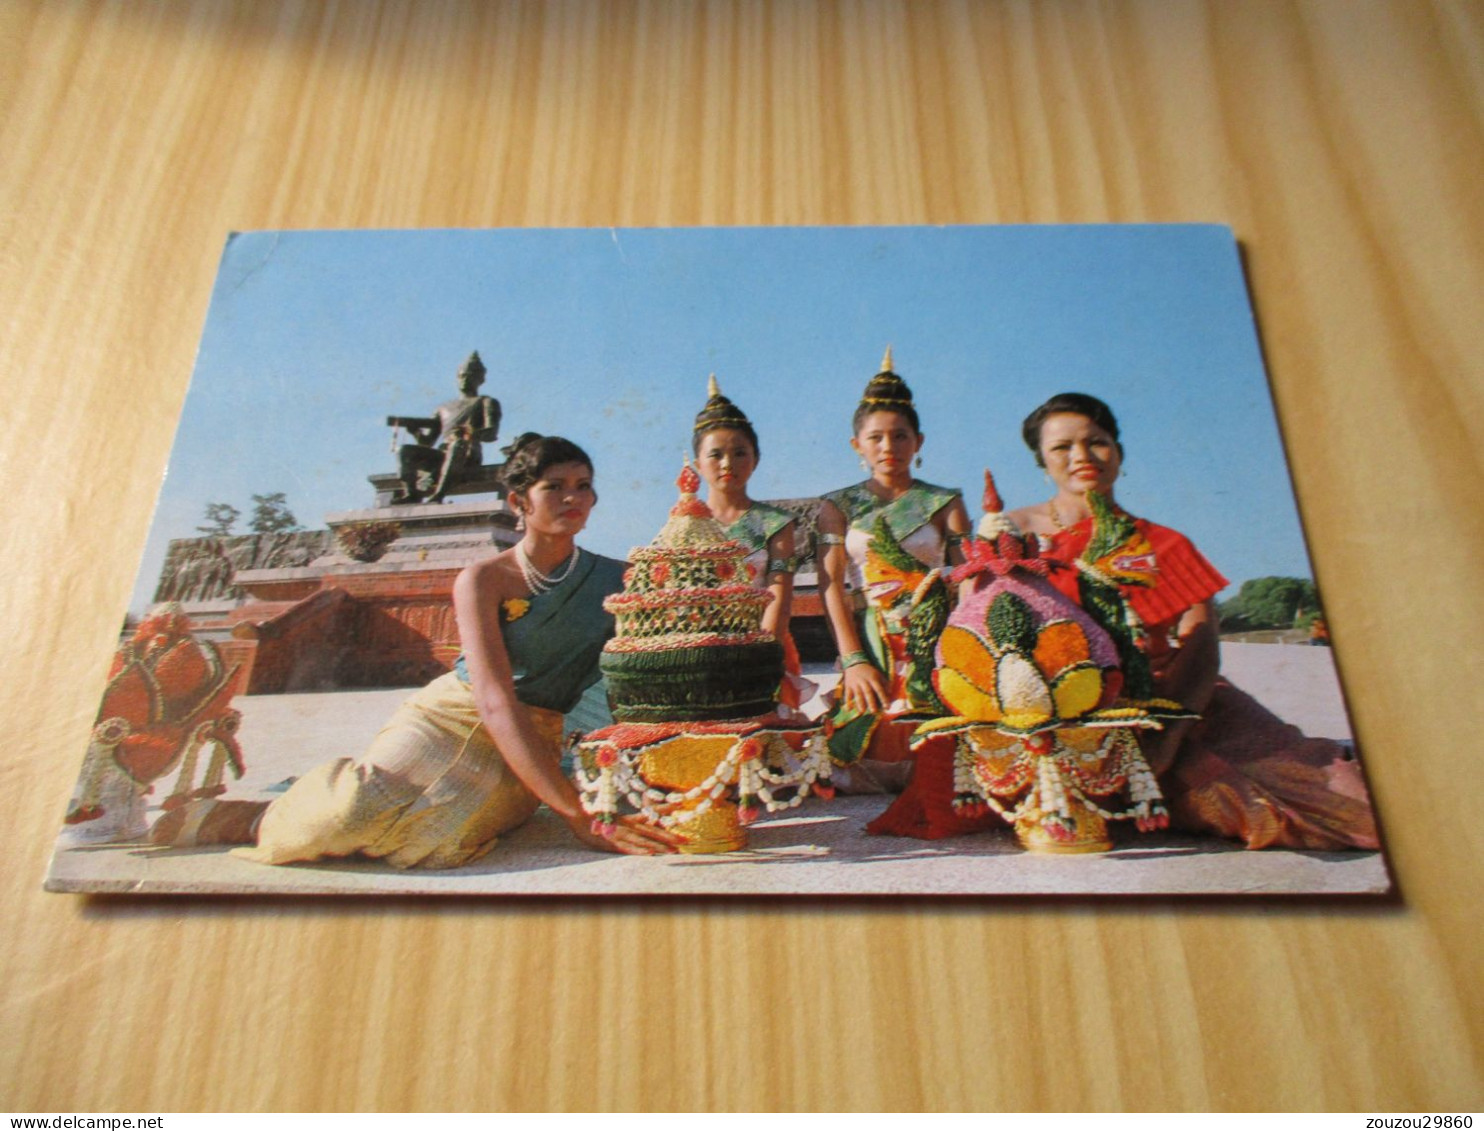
[432,791]
[883,623]
[1241,772]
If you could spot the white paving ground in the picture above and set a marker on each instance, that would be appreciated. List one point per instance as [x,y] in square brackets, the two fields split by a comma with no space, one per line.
[820,848]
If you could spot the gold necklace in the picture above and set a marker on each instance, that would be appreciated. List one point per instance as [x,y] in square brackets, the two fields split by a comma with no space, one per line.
[1055,518]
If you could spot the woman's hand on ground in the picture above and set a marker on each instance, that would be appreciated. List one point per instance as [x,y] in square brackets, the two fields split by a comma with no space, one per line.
[631,836]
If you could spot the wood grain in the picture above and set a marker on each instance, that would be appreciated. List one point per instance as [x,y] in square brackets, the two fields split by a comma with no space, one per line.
[1343,141]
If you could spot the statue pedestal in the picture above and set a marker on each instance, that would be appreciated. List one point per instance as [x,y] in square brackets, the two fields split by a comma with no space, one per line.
[478,481]
[341,623]
[433,537]
[432,534]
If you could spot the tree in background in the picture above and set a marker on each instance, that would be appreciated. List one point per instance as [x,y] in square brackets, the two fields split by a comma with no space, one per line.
[220,518]
[271,515]
[1270,602]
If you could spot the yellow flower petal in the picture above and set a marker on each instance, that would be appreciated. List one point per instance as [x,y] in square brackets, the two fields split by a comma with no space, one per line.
[1077,692]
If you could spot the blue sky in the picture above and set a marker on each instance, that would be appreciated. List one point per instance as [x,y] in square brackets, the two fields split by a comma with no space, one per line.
[607,336]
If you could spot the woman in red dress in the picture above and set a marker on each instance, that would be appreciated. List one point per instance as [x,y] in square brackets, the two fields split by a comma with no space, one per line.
[1237,771]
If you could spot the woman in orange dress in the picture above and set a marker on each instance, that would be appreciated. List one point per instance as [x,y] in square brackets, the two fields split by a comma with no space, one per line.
[1237,771]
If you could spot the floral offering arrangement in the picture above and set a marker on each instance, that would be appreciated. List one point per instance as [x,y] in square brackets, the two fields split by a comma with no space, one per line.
[688,643]
[1040,729]
[706,781]
[168,698]
[694,683]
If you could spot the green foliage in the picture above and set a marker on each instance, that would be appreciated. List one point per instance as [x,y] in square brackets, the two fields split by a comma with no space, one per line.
[1011,624]
[219,519]
[1107,605]
[890,551]
[924,625]
[1270,603]
[1110,529]
[271,515]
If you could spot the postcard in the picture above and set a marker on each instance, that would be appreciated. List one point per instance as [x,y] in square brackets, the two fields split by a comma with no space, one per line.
[767,561]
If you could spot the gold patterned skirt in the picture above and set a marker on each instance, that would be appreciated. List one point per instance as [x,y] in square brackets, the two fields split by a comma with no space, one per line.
[431,791]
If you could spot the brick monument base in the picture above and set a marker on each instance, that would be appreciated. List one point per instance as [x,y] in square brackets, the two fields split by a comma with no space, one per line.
[342,623]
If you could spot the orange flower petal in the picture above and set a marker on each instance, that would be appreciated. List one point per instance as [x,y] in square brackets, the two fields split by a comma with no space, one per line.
[1061,645]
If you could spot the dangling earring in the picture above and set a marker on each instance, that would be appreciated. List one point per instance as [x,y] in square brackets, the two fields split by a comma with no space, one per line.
[864,465]
[919,463]
[520,521]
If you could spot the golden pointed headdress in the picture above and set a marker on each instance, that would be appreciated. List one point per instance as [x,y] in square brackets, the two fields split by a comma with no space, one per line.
[719,411]
[887,392]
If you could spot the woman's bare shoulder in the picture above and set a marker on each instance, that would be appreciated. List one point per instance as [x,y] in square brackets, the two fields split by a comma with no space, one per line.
[782,542]
[830,517]
[1034,519]
[494,576]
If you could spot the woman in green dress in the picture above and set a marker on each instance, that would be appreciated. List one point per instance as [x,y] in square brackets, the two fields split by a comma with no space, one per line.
[883,543]
[727,452]
[476,752]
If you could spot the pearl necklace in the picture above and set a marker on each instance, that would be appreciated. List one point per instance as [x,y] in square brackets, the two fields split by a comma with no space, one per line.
[538,582]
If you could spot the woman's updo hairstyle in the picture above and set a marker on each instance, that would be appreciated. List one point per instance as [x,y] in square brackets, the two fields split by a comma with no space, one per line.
[530,454]
[721,413]
[1080,403]
[886,392]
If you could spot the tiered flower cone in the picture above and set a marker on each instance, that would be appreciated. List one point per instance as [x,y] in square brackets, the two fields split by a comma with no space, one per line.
[698,748]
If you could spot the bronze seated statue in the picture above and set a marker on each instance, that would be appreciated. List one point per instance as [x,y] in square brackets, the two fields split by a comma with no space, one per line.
[448,447]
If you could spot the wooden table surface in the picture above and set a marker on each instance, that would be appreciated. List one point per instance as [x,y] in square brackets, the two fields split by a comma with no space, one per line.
[1343,141]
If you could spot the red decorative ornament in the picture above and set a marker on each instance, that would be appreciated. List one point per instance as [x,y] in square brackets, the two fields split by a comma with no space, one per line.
[992,501]
[1159,819]
[1006,553]
[1039,743]
[1059,831]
